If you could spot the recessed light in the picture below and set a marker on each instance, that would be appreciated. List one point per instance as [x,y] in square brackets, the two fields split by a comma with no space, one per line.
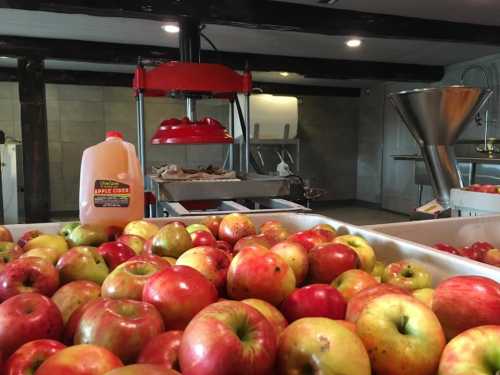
[171,28]
[284,74]
[353,43]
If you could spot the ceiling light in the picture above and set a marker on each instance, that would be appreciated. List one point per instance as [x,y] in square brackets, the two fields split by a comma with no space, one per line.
[171,28]
[4,57]
[353,43]
[284,74]
[329,2]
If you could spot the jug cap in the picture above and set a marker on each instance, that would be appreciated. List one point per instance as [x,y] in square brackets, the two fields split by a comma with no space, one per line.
[114,133]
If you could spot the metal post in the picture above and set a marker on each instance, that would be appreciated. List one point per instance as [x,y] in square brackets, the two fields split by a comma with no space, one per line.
[141,143]
[189,46]
[247,134]
[231,132]
[191,109]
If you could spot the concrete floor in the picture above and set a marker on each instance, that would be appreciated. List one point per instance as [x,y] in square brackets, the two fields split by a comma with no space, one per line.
[361,215]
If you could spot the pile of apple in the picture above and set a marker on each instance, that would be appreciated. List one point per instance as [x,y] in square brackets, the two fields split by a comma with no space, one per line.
[216,298]
[490,189]
[479,251]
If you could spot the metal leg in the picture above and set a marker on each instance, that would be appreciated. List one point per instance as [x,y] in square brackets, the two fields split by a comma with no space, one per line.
[247,135]
[141,144]
[231,132]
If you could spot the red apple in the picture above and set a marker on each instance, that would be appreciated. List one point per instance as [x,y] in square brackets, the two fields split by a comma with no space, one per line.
[114,232]
[274,231]
[446,248]
[80,360]
[270,312]
[142,369]
[115,253]
[74,320]
[256,272]
[74,294]
[464,302]
[316,300]
[490,189]
[228,338]
[471,253]
[28,236]
[5,234]
[179,293]
[353,281]
[27,317]
[365,252]
[9,251]
[327,261]
[361,299]
[162,350]
[492,257]
[211,262]
[212,223]
[156,260]
[309,239]
[256,239]
[82,263]
[202,238]
[234,227]
[171,241]
[225,246]
[136,243]
[121,326]
[482,247]
[473,352]
[296,258]
[321,346]
[28,275]
[29,357]
[128,279]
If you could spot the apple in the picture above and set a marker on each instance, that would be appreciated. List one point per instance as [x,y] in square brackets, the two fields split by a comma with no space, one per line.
[378,270]
[211,262]
[136,243]
[88,235]
[212,223]
[483,247]
[128,279]
[407,275]
[492,257]
[49,254]
[225,246]
[256,239]
[141,369]
[473,352]
[365,252]
[202,238]
[29,357]
[315,300]
[9,251]
[256,272]
[446,248]
[310,238]
[114,232]
[325,227]
[47,240]
[351,282]
[471,253]
[490,189]
[115,253]
[274,231]
[74,294]
[349,325]
[5,235]
[228,337]
[28,275]
[28,236]
[296,258]
[162,350]
[67,228]
[161,262]
[196,228]
[424,295]
[141,228]
[179,293]
[170,260]
[121,326]
[27,317]
[271,313]
[358,302]
[464,302]
[401,335]
[82,263]
[234,227]
[80,360]
[74,321]
[327,261]
[171,241]
[321,346]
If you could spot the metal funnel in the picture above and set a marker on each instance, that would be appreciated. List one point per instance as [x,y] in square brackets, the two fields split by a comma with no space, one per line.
[436,117]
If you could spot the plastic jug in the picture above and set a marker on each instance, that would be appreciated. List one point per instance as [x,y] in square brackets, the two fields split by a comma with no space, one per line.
[111,183]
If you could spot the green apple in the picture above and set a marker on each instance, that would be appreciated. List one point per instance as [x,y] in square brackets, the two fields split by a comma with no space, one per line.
[171,241]
[424,295]
[401,335]
[321,346]
[378,269]
[88,235]
[473,352]
[197,227]
[82,263]
[9,251]
[365,252]
[67,228]
[407,275]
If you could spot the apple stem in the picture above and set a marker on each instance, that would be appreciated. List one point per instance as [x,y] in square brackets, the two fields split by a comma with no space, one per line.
[403,321]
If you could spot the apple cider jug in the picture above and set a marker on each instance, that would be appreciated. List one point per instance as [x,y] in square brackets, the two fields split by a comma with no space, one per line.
[111,183]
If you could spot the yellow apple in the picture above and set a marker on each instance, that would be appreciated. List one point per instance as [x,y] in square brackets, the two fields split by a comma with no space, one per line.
[51,241]
[141,228]
[424,295]
[365,252]
[49,254]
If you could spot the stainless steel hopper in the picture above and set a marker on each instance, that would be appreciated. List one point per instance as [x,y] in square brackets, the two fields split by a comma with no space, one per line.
[436,117]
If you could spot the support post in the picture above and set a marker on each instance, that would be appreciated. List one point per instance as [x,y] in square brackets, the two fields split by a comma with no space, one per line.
[35,139]
[189,47]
